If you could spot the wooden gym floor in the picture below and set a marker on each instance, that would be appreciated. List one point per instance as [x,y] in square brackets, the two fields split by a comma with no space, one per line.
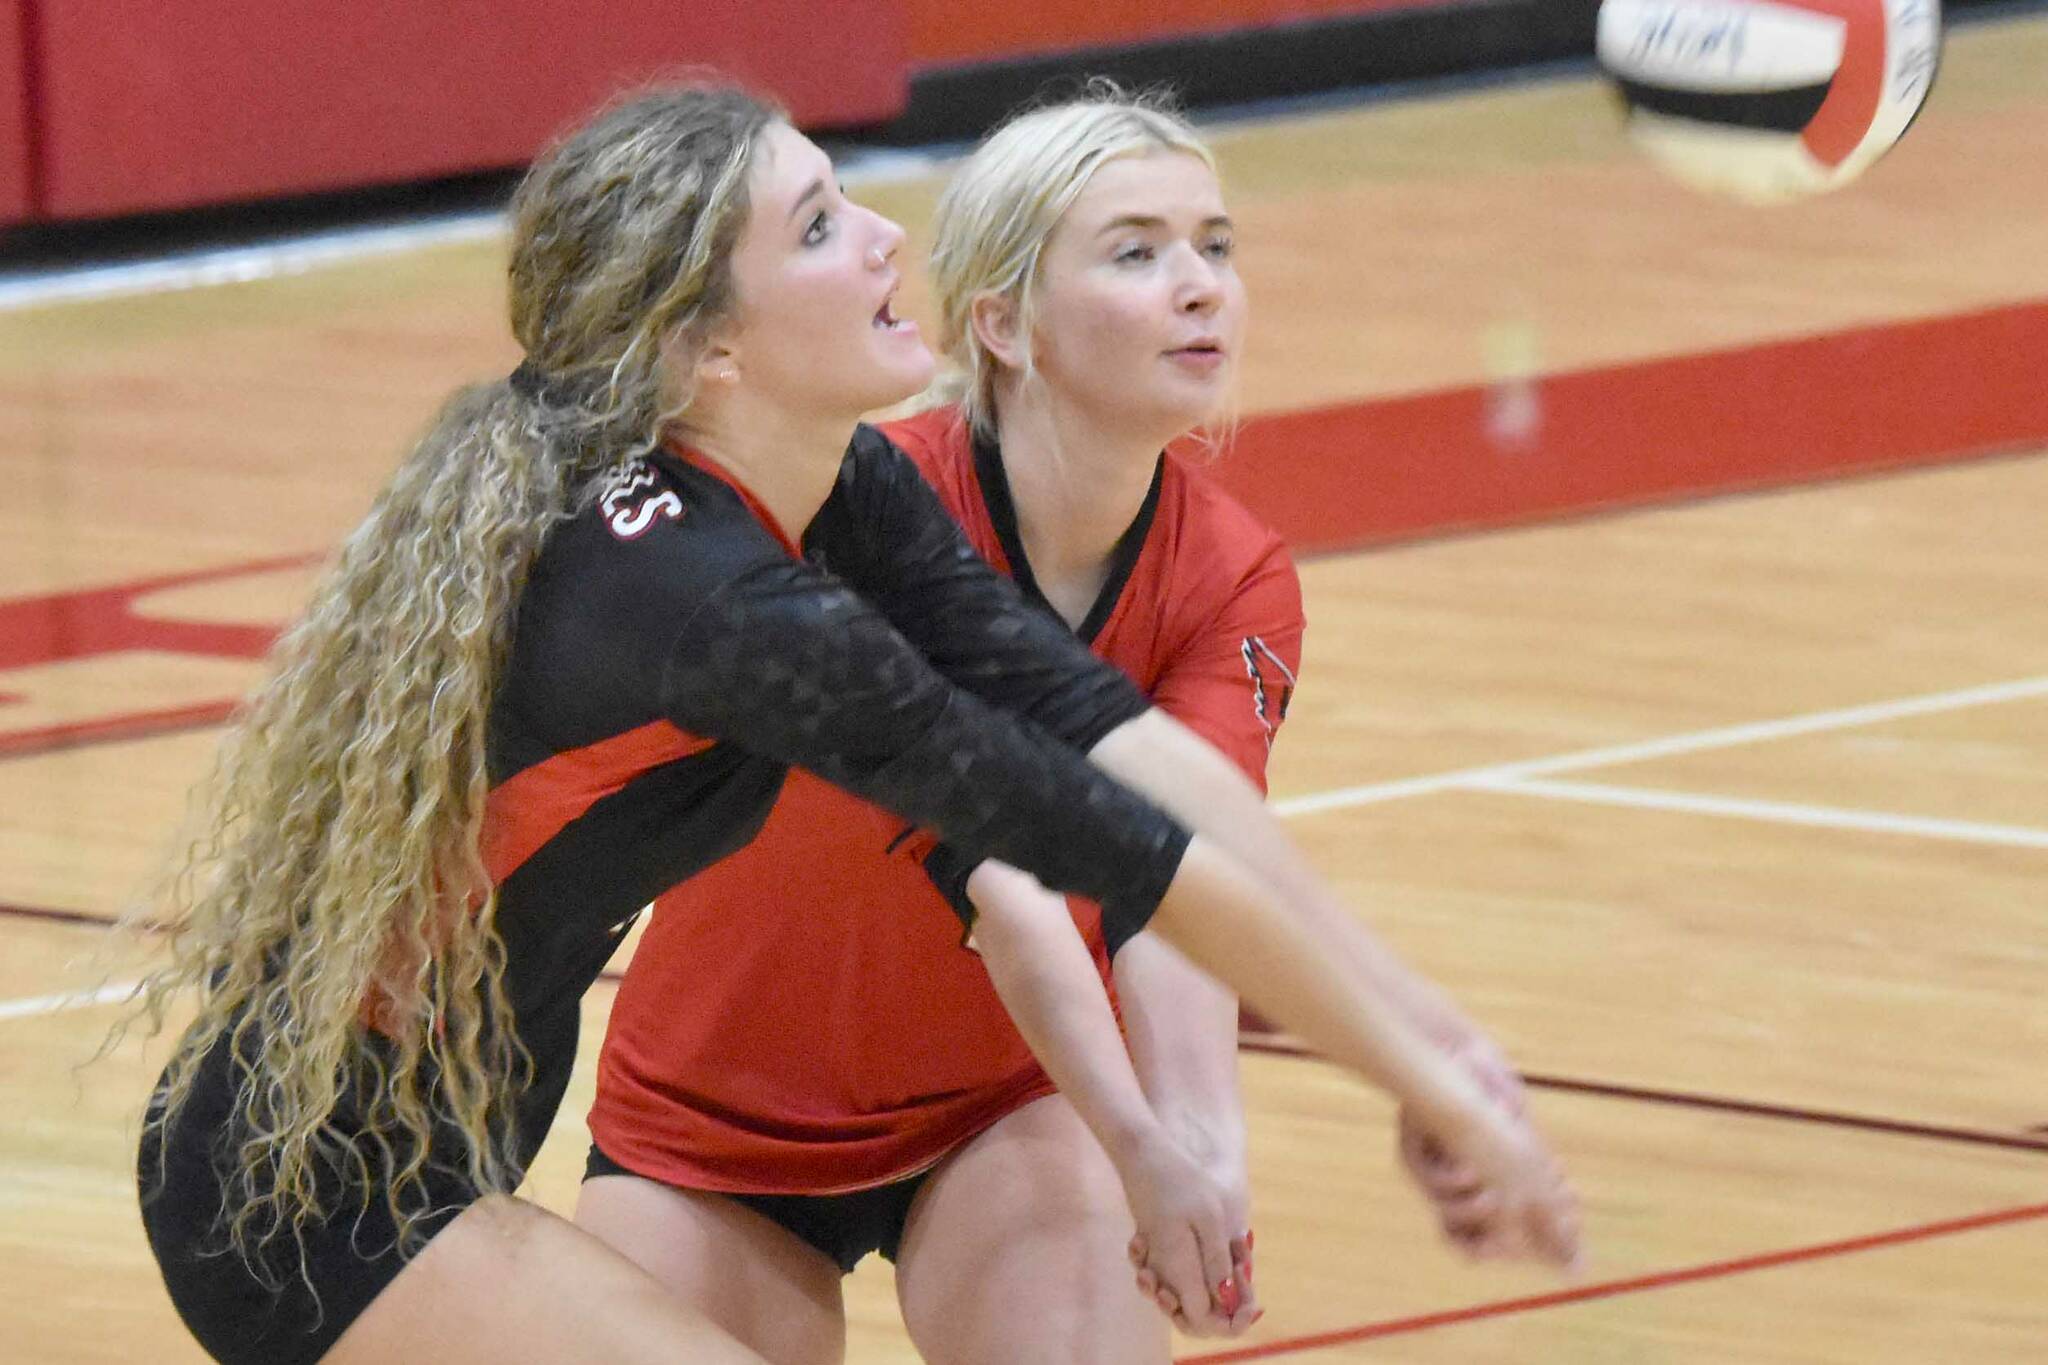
[1729,816]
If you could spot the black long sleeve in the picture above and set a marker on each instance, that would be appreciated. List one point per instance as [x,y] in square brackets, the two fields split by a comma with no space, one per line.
[785,662]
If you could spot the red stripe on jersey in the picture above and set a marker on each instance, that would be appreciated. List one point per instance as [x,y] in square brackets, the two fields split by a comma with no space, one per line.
[725,476]
[526,810]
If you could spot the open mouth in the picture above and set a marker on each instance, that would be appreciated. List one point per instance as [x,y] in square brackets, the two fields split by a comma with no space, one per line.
[886,319]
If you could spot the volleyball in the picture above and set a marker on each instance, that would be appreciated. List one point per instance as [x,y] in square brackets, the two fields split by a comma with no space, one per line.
[1769,100]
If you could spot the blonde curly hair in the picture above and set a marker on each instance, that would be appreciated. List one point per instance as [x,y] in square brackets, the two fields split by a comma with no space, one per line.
[335,889]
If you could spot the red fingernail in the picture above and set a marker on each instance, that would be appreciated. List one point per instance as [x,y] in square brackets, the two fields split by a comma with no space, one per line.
[1247,1270]
[1249,1239]
[1255,1318]
[1227,1296]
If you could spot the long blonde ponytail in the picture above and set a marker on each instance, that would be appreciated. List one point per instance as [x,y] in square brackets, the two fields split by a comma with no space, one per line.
[336,892]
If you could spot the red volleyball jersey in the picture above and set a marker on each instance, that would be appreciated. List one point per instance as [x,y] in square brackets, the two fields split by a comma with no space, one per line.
[803,1016]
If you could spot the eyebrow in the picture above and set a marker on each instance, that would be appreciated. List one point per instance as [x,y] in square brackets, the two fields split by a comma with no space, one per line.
[816,188]
[1150,220]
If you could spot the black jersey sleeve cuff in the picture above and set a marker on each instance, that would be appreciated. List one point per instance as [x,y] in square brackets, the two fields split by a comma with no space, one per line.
[1123,916]
[1116,706]
[949,868]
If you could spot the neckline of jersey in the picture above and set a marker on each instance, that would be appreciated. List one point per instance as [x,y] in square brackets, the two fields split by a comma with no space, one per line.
[1123,557]
[697,459]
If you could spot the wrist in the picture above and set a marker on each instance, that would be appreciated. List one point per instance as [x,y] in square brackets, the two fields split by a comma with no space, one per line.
[1211,1140]
[1443,1096]
[1132,1141]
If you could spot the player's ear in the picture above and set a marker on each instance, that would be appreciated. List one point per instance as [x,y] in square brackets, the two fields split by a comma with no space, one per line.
[717,367]
[994,319]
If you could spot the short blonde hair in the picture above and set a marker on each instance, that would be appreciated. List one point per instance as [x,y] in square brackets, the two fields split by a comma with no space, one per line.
[993,220]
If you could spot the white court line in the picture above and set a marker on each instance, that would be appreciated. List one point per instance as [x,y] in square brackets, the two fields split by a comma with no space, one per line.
[1695,742]
[243,264]
[67,1000]
[297,255]
[1516,778]
[1778,812]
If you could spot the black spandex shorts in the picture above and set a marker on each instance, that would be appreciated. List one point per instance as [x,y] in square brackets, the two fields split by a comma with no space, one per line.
[241,1316]
[845,1227]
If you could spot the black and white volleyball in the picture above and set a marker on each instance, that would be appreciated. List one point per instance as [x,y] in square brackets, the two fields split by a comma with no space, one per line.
[1769,100]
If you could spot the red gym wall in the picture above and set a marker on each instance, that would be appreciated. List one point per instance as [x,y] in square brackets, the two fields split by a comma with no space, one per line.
[16,198]
[110,108]
[950,32]
[149,107]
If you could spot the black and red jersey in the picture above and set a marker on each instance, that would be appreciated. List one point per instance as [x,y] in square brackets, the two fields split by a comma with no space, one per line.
[675,655]
[803,1016]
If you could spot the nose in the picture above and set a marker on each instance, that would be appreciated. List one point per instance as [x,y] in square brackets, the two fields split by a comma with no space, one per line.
[1199,290]
[888,239]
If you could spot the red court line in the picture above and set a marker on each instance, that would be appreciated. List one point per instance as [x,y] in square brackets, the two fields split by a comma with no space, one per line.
[112,729]
[1253,1040]
[74,917]
[1784,412]
[85,623]
[1826,406]
[1759,1109]
[1686,1099]
[1666,1279]
[60,916]
[82,622]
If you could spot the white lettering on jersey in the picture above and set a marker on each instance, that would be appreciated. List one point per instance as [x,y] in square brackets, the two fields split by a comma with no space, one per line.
[629,511]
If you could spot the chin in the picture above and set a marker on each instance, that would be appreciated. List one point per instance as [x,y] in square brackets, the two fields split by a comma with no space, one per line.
[888,394]
[1182,413]
[890,380]
[914,379]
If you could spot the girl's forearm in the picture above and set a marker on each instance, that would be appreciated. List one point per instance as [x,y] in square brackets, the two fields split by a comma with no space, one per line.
[1047,980]
[1299,965]
[1174,767]
[1181,1024]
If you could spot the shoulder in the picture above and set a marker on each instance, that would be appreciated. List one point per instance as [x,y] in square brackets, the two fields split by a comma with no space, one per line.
[1213,529]
[654,539]
[928,455]
[938,443]
[874,458]
[934,439]
[612,589]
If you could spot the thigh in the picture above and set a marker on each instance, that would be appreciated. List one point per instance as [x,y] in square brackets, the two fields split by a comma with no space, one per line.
[749,1275]
[1015,1251]
[508,1282]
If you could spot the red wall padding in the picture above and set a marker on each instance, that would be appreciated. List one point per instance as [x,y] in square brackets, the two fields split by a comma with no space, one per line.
[203,101]
[16,199]
[954,32]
